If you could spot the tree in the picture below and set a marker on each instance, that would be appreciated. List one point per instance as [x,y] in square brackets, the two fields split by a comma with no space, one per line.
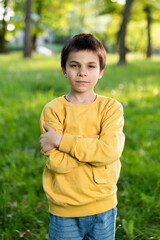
[36,21]
[122,32]
[145,14]
[3,27]
[149,19]
[6,17]
[27,38]
[150,7]
[112,11]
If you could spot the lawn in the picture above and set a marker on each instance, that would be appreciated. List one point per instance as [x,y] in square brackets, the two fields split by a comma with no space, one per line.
[25,87]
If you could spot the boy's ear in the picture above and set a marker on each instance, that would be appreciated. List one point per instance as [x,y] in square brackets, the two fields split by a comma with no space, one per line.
[101,74]
[64,72]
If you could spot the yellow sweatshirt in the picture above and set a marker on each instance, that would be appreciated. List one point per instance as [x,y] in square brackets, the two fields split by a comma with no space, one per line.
[80,176]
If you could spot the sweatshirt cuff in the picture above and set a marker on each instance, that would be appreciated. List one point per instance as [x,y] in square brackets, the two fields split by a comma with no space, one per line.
[67,144]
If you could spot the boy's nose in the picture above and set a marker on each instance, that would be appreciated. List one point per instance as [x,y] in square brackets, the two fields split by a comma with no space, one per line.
[82,72]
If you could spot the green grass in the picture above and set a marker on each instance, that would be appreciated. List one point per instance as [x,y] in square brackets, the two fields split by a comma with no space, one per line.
[25,87]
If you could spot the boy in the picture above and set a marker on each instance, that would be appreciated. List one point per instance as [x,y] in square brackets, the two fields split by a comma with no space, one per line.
[83,141]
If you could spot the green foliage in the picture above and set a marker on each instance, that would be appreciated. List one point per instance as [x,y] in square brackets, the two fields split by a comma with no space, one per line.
[137,28]
[64,18]
[128,227]
[26,86]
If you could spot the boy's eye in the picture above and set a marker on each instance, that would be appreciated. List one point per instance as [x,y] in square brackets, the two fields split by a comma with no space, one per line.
[74,65]
[91,66]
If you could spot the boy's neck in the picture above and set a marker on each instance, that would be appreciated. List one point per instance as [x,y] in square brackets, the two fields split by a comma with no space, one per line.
[81,98]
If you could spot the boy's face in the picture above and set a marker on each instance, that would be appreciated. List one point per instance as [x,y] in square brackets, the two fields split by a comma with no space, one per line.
[82,70]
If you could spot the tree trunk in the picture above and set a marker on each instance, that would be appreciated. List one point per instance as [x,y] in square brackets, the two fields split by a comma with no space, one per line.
[34,39]
[122,32]
[3,31]
[27,37]
[149,19]
[38,11]
[2,43]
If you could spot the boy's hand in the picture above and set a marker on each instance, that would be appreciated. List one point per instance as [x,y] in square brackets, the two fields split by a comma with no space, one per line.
[49,140]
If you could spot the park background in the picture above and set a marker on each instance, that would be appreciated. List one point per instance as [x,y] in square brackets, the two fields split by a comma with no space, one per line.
[31,37]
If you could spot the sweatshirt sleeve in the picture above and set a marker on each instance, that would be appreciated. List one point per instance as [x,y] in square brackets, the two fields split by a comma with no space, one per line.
[104,149]
[57,161]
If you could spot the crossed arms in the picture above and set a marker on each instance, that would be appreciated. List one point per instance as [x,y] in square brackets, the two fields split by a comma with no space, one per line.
[65,151]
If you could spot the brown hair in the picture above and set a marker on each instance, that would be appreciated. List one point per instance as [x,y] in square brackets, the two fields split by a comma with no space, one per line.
[84,41]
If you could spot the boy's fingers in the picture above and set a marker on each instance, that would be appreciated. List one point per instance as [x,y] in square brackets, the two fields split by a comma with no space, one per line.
[42,151]
[46,127]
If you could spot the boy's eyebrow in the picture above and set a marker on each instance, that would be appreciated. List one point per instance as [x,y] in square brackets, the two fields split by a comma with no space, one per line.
[92,62]
[73,61]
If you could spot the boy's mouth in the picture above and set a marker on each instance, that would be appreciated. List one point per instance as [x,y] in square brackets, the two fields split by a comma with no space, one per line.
[82,82]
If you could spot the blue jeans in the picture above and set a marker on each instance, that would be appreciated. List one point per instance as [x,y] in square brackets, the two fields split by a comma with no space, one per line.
[96,227]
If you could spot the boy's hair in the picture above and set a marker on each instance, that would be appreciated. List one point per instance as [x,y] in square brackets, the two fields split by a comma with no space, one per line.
[80,42]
